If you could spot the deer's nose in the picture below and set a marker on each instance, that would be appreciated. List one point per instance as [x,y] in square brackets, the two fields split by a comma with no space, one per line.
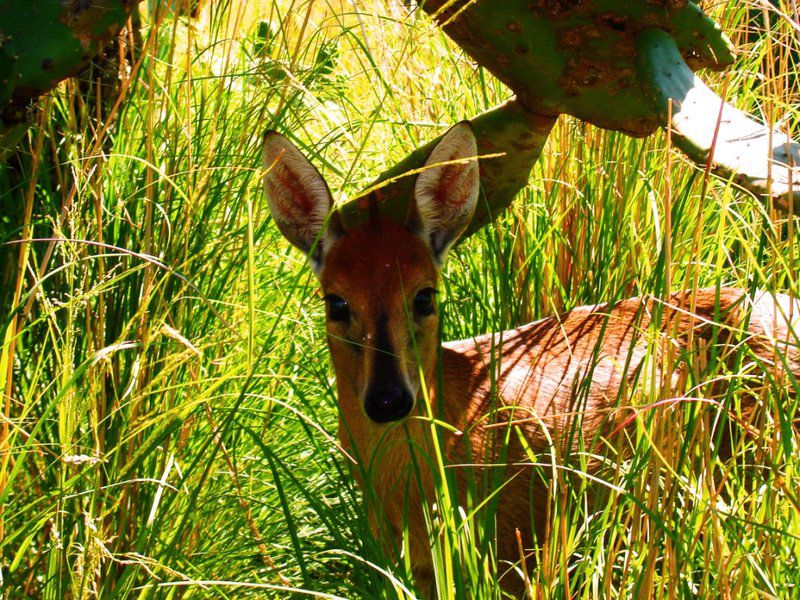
[389,402]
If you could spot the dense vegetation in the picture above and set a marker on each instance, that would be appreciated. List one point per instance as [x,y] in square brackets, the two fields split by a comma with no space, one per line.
[170,415]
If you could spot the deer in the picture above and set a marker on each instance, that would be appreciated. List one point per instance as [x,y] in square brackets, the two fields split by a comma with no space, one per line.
[561,382]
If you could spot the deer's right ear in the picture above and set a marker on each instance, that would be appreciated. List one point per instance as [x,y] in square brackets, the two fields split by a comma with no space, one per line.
[446,191]
[298,198]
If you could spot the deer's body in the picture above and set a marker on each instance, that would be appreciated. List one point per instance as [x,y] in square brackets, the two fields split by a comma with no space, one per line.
[563,382]
[544,377]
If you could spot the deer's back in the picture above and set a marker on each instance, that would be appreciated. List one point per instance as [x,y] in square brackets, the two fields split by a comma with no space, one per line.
[587,361]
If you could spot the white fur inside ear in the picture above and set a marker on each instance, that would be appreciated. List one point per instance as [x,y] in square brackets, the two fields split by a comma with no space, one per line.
[298,196]
[446,191]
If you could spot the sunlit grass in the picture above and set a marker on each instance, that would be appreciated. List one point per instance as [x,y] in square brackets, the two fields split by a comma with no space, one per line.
[172,425]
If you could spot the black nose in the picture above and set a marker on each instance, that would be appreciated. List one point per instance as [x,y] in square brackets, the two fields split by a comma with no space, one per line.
[388,403]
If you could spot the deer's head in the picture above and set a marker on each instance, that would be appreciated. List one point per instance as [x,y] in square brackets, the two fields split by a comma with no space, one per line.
[380,278]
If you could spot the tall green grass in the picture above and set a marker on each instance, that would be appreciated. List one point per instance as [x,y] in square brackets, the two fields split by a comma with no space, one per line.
[170,415]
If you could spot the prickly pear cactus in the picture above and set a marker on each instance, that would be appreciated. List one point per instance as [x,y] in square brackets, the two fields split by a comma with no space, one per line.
[578,56]
[43,42]
[626,65]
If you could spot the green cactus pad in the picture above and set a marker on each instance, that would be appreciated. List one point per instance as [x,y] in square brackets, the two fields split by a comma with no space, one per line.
[53,39]
[579,56]
[41,43]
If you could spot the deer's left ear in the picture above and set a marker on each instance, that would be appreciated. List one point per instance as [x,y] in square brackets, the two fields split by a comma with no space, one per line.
[446,191]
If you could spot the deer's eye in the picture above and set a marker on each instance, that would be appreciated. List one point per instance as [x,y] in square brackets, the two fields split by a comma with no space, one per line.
[424,302]
[337,308]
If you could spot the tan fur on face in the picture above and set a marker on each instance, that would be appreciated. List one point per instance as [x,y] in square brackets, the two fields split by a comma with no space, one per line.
[378,268]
